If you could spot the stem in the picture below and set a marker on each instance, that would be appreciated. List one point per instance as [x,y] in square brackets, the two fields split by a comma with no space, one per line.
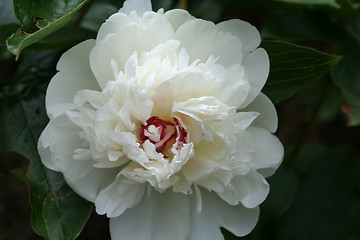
[183,4]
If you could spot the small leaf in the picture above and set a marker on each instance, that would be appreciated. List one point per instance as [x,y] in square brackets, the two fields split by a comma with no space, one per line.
[40,18]
[293,68]
[58,212]
[346,75]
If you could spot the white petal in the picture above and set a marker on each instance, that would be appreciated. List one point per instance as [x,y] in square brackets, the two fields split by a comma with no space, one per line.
[185,85]
[114,24]
[139,6]
[248,34]
[215,214]
[236,87]
[162,216]
[217,180]
[156,23]
[243,120]
[130,145]
[208,156]
[138,103]
[250,189]
[118,197]
[202,39]
[57,145]
[90,96]
[268,118]
[206,108]
[74,74]
[118,48]
[269,151]
[257,68]
[178,17]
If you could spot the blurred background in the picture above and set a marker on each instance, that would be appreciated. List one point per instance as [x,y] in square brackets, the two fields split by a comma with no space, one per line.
[315,194]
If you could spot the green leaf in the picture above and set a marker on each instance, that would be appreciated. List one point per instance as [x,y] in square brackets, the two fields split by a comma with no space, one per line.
[312,2]
[346,75]
[58,212]
[39,18]
[65,38]
[293,68]
[306,26]
[5,31]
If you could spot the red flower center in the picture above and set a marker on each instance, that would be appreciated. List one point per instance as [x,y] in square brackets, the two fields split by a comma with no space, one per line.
[163,133]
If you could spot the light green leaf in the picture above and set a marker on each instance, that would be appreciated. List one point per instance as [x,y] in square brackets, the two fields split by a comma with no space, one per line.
[58,212]
[293,68]
[346,75]
[39,18]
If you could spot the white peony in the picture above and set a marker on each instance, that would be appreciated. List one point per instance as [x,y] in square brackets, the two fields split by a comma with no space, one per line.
[161,123]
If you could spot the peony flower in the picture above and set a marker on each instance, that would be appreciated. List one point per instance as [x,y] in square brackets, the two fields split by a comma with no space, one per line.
[160,123]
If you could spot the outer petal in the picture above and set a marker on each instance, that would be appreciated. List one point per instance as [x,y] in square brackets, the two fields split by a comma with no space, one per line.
[178,17]
[74,74]
[268,118]
[250,189]
[202,39]
[216,213]
[248,34]
[158,23]
[110,55]
[139,6]
[118,197]
[56,147]
[209,155]
[257,68]
[162,216]
[268,153]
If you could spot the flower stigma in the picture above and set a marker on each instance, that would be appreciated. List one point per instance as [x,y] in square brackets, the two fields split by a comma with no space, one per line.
[162,134]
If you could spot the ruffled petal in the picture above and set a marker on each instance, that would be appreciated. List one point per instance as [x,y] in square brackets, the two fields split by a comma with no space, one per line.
[257,68]
[157,23]
[118,197]
[216,213]
[185,85]
[250,190]
[74,74]
[178,17]
[57,145]
[268,153]
[202,39]
[160,216]
[208,156]
[248,34]
[268,117]
[110,55]
[139,6]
